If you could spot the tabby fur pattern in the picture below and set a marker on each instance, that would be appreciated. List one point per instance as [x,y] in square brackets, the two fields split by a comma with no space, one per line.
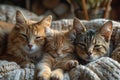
[59,56]
[26,40]
[92,44]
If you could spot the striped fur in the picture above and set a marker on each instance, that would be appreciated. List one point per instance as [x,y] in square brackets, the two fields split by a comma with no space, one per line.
[95,24]
[92,44]
[59,55]
[25,41]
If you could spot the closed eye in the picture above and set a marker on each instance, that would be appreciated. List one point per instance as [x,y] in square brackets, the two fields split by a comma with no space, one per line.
[81,45]
[23,35]
[66,51]
[38,37]
[97,46]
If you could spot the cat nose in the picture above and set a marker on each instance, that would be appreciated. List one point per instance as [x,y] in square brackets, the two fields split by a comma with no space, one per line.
[58,53]
[89,53]
[30,46]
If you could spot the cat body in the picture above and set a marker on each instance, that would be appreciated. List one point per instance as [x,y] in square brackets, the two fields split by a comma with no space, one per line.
[92,44]
[26,40]
[5,29]
[59,55]
[115,53]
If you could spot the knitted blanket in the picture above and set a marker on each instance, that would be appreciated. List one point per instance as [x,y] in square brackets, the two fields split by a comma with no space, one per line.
[104,68]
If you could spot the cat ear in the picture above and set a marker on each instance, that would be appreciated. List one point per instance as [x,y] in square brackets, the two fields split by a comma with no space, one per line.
[106,30]
[78,26]
[71,35]
[48,32]
[20,18]
[46,22]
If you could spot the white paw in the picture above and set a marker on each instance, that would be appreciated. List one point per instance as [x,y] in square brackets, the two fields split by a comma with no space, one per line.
[72,63]
[55,75]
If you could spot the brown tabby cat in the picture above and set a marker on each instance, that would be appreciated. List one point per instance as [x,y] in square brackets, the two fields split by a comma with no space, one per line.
[26,40]
[91,44]
[59,56]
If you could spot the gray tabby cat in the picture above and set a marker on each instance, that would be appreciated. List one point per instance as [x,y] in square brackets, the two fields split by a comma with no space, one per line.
[92,44]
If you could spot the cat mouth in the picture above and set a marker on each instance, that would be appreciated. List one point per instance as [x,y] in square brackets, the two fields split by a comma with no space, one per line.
[30,51]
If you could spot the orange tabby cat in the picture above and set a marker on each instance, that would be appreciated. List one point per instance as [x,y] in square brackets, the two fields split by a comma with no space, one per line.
[26,40]
[59,56]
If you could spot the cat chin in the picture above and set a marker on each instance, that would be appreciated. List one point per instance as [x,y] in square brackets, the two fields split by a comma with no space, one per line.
[93,58]
[90,59]
[30,51]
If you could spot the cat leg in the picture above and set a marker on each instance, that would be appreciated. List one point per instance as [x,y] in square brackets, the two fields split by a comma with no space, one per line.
[116,54]
[57,74]
[43,72]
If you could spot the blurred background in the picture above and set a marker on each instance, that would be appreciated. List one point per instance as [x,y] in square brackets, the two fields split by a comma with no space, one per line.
[60,9]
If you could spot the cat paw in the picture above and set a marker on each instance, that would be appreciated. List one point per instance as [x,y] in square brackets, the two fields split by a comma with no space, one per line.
[55,75]
[43,76]
[27,65]
[72,63]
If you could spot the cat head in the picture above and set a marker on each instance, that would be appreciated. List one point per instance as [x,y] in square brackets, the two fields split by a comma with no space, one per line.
[92,44]
[29,35]
[59,43]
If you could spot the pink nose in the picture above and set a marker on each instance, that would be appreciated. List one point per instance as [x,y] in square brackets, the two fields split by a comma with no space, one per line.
[30,46]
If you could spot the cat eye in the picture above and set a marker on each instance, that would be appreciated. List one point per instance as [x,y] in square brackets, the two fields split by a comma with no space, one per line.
[25,36]
[38,37]
[81,45]
[66,50]
[97,46]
